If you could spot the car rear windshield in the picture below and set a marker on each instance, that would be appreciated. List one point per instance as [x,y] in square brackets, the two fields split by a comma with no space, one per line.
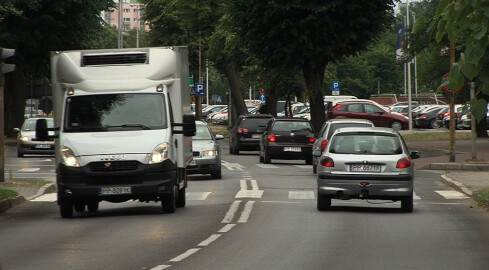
[254,122]
[336,126]
[292,126]
[372,144]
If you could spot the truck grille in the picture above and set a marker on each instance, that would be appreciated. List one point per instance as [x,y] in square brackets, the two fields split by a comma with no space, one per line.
[114,59]
[112,166]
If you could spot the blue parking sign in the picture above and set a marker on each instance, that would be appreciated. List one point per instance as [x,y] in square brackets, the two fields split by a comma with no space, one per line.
[335,87]
[199,89]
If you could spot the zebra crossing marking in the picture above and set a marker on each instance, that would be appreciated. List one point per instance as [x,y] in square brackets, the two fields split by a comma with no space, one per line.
[301,195]
[452,194]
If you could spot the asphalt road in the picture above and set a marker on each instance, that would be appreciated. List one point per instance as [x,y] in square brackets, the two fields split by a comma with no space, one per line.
[256,217]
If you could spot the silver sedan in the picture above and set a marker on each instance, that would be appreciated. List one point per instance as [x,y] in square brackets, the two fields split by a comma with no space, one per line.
[206,152]
[366,163]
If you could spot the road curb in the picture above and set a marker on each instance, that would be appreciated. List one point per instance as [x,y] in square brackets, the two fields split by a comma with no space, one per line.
[457,185]
[6,204]
[457,166]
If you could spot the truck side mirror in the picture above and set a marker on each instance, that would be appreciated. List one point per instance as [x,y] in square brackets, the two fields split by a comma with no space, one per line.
[189,128]
[42,130]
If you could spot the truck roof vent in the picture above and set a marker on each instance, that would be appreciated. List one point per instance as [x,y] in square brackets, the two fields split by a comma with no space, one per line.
[114,59]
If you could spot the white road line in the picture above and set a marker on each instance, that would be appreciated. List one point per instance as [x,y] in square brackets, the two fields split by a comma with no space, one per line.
[415,196]
[246,212]
[160,267]
[267,166]
[50,197]
[242,185]
[301,195]
[226,228]
[254,185]
[232,166]
[185,255]
[451,194]
[255,194]
[304,166]
[230,214]
[197,196]
[29,170]
[209,240]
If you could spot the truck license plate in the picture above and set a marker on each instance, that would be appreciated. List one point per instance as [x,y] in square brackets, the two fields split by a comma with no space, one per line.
[114,190]
[364,168]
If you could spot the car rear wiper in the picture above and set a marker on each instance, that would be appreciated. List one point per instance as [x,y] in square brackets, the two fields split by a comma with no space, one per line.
[129,126]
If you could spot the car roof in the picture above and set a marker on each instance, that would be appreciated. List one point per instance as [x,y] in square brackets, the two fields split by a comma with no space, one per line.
[292,119]
[367,129]
[253,115]
[349,120]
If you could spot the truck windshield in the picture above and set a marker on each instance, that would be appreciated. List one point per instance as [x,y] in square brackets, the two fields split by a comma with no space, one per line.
[111,112]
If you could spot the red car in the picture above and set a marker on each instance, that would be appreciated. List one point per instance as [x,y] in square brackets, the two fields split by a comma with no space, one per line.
[370,111]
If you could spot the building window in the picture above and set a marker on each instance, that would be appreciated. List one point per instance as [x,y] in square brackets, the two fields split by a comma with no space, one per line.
[127,10]
[135,10]
[135,19]
[127,19]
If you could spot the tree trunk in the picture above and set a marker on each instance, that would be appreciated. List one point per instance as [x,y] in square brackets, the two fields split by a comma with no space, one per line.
[235,85]
[314,77]
[14,100]
[481,127]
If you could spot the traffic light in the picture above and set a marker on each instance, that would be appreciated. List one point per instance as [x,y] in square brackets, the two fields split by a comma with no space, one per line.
[6,55]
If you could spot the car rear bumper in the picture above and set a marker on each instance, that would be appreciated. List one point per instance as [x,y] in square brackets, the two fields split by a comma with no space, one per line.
[278,152]
[374,187]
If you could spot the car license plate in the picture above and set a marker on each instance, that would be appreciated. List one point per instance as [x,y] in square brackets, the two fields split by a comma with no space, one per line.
[255,136]
[364,168]
[114,190]
[42,146]
[292,149]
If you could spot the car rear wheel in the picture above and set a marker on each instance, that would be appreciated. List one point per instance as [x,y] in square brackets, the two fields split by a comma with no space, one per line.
[266,158]
[396,125]
[434,124]
[407,204]
[309,160]
[323,202]
[66,209]
[92,207]
[314,168]
[79,207]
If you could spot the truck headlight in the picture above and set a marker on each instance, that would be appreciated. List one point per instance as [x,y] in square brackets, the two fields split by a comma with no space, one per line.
[209,153]
[160,153]
[69,158]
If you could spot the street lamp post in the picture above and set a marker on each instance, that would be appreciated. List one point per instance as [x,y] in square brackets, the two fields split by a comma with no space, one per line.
[138,6]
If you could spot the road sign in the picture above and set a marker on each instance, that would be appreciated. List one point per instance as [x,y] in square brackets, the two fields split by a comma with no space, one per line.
[219,99]
[262,98]
[199,89]
[262,91]
[335,87]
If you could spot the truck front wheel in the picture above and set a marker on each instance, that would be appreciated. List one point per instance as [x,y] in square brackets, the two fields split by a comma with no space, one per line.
[66,209]
[182,199]
[169,201]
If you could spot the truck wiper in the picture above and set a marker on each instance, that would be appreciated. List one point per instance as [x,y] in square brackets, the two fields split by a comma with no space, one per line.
[129,126]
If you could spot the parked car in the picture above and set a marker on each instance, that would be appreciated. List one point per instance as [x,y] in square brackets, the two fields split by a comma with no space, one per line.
[371,111]
[206,152]
[27,142]
[246,132]
[464,121]
[367,163]
[262,108]
[327,130]
[287,138]
[458,109]
[212,108]
[427,118]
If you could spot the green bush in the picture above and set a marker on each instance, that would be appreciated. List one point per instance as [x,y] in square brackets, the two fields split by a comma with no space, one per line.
[482,197]
[7,193]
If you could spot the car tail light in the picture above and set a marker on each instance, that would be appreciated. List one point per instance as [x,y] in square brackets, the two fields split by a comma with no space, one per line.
[422,116]
[323,145]
[336,107]
[271,137]
[242,130]
[312,140]
[456,115]
[326,162]
[404,163]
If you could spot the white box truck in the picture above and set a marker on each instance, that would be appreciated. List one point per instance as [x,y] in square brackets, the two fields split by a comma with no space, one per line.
[123,126]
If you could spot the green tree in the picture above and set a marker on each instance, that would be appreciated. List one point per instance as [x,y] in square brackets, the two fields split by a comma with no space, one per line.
[37,27]
[308,35]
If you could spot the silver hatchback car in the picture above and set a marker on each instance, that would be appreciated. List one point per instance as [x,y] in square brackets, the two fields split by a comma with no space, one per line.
[366,163]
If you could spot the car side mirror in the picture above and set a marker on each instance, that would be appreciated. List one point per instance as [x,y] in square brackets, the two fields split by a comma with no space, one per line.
[219,137]
[415,155]
[42,130]
[16,129]
[317,153]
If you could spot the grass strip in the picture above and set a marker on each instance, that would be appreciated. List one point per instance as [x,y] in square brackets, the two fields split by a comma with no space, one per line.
[481,197]
[7,193]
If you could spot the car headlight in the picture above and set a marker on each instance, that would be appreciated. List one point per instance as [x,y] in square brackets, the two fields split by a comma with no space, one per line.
[25,138]
[160,153]
[69,158]
[209,153]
